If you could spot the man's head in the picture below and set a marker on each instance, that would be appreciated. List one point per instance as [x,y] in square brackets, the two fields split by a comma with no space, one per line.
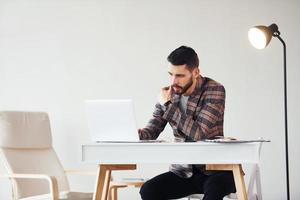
[183,70]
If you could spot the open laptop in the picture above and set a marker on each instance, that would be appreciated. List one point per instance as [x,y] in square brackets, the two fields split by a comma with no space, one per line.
[112,121]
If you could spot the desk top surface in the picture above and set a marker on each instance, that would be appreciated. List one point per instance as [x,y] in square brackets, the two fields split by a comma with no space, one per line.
[174,144]
[171,152]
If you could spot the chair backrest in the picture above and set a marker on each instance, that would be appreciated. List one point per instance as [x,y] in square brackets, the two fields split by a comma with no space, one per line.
[26,147]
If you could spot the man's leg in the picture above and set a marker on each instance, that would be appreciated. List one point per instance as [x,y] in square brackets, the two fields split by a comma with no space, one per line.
[167,186]
[218,185]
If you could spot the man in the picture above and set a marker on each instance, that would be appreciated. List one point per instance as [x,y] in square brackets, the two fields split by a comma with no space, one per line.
[194,107]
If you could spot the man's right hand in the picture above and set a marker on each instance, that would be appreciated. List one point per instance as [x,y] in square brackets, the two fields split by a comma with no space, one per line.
[165,94]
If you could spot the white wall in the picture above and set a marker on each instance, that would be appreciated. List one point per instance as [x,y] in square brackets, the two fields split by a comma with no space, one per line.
[54,54]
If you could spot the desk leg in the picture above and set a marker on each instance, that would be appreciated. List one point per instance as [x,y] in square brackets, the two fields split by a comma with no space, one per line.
[103,179]
[106,184]
[239,182]
[258,183]
[238,175]
[102,183]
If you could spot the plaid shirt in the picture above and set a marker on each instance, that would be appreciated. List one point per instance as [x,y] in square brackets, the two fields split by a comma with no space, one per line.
[203,118]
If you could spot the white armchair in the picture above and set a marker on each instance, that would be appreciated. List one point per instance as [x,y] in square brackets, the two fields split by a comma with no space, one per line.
[30,160]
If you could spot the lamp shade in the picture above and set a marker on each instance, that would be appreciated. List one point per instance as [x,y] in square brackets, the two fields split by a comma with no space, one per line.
[260,36]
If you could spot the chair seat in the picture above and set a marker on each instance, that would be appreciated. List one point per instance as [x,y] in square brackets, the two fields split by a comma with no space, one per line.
[200,196]
[64,196]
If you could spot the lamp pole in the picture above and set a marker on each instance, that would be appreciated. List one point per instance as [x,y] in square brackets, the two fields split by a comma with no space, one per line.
[276,34]
[260,36]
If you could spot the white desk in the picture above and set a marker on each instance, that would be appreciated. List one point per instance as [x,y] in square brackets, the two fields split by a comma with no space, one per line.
[223,156]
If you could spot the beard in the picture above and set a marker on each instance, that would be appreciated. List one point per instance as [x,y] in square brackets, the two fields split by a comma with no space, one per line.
[182,89]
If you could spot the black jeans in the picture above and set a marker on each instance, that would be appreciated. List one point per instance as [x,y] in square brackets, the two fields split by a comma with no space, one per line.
[171,186]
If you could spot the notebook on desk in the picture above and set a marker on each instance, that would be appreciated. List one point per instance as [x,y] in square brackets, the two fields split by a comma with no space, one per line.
[112,121]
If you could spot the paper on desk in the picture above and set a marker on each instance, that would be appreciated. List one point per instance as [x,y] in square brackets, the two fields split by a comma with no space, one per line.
[232,140]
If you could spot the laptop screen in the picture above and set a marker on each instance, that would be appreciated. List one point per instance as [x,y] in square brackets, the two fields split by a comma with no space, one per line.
[111,120]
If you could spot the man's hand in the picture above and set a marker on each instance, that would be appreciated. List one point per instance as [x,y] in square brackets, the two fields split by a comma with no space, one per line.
[140,132]
[166,94]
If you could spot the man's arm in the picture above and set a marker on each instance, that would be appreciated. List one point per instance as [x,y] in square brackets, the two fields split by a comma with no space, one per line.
[208,123]
[155,126]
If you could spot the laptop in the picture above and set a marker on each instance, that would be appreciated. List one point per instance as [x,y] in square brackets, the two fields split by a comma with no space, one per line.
[112,121]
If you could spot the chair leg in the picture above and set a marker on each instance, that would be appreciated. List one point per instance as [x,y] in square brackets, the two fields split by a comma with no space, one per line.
[113,194]
[110,194]
[113,191]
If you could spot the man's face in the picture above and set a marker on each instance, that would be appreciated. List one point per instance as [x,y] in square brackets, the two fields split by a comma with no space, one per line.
[182,78]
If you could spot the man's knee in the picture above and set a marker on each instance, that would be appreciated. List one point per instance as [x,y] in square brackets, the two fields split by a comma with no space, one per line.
[162,187]
[219,186]
[148,191]
[143,190]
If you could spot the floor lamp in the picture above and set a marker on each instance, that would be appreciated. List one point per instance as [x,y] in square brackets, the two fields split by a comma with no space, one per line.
[259,37]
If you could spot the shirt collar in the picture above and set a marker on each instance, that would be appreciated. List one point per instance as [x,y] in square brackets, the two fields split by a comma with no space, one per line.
[198,87]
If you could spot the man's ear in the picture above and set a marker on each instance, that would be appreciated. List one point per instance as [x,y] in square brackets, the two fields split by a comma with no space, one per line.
[196,72]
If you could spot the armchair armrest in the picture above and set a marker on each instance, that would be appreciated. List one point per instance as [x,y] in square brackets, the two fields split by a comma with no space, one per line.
[51,180]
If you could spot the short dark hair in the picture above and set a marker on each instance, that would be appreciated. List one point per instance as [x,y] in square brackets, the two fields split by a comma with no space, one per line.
[184,55]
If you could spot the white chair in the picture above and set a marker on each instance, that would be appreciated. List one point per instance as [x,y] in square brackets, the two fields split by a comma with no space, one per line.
[30,160]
